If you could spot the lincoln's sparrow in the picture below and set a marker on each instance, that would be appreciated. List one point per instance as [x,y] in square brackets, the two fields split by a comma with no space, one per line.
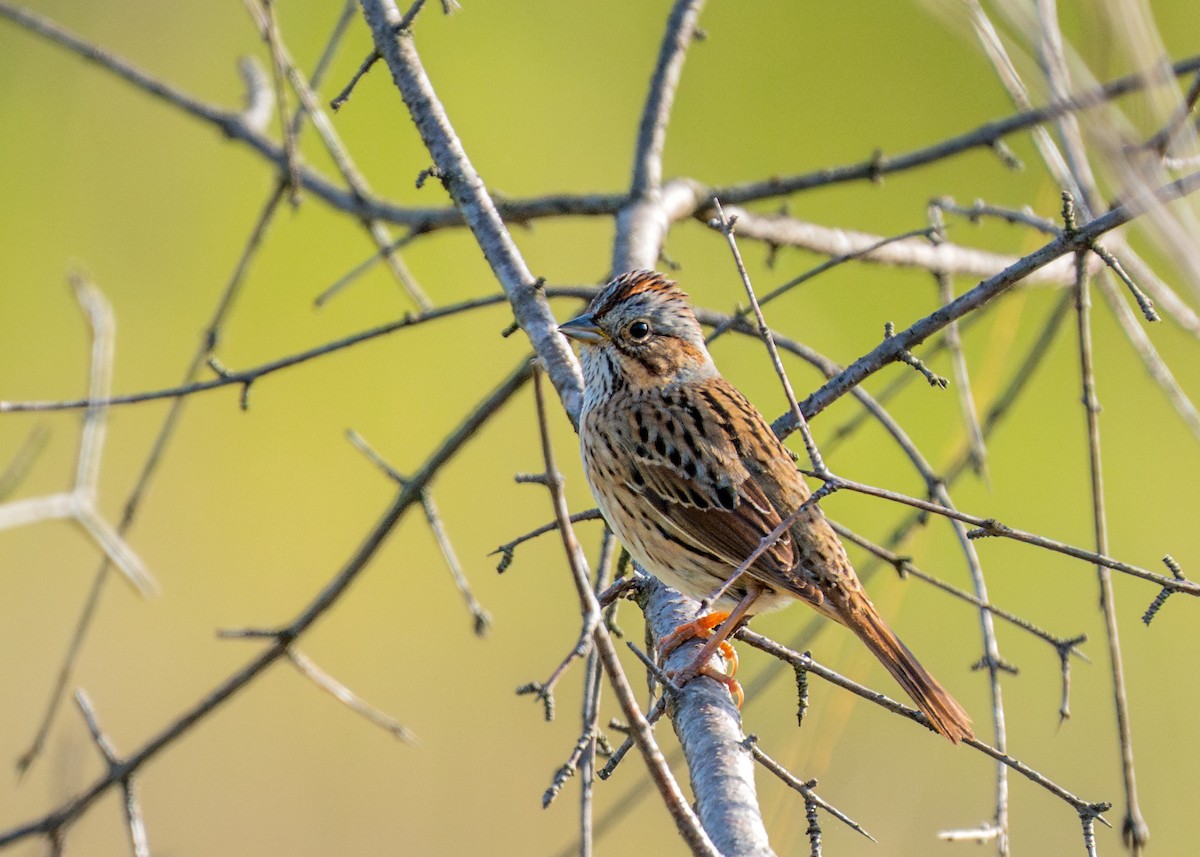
[691,478]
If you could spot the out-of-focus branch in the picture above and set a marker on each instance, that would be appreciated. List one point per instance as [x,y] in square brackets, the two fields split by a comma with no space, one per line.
[79,504]
[53,823]
[689,195]
[946,257]
[985,136]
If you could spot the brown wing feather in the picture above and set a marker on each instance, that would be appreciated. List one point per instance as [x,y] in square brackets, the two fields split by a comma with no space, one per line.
[692,476]
[730,533]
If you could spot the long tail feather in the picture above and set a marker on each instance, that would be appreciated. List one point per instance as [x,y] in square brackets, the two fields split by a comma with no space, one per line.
[945,715]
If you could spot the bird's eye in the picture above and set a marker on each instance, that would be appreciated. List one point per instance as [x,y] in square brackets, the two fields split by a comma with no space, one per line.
[639,331]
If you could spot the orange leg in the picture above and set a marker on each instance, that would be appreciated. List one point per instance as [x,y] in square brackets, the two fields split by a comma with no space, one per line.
[735,687]
[703,628]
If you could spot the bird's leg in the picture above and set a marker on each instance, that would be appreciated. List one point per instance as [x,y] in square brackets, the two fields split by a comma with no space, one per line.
[700,628]
[724,623]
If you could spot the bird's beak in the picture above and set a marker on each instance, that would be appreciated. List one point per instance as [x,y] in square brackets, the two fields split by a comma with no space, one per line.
[584,328]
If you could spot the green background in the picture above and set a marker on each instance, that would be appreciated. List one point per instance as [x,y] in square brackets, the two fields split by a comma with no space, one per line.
[252,512]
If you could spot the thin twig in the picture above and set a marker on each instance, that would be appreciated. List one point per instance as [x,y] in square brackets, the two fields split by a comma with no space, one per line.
[980,209]
[270,34]
[506,550]
[962,382]
[686,822]
[590,708]
[1162,139]
[726,227]
[1134,829]
[776,650]
[805,788]
[135,822]
[305,666]
[481,619]
[18,466]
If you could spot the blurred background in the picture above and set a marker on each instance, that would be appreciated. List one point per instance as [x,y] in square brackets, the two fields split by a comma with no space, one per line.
[251,512]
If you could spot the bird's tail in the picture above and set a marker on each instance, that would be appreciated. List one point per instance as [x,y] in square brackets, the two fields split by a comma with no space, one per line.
[945,715]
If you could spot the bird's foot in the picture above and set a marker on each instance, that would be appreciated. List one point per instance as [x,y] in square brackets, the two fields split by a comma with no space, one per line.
[702,628]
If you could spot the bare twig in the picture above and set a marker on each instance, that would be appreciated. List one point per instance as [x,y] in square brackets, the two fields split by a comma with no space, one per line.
[1162,139]
[79,504]
[726,225]
[481,619]
[805,788]
[305,666]
[695,836]
[1134,829]
[506,550]
[18,466]
[135,823]
[269,30]
[962,379]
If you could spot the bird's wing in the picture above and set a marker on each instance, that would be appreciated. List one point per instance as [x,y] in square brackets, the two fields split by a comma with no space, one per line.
[684,459]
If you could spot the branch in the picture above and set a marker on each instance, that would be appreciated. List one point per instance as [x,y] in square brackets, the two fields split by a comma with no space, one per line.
[710,731]
[652,130]
[782,230]
[985,136]
[79,504]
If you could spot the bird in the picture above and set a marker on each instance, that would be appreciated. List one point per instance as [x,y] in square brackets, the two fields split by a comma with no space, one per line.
[691,479]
